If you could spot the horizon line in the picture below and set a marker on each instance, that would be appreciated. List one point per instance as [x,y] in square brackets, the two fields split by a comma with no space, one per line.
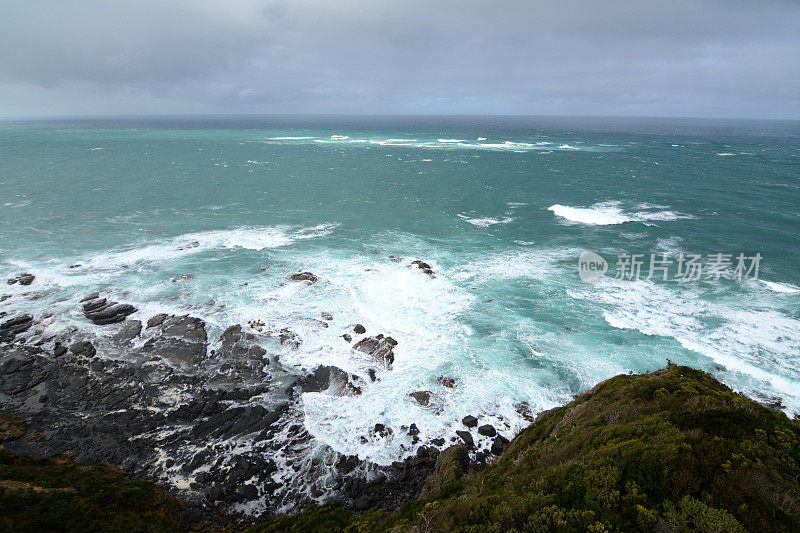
[11,118]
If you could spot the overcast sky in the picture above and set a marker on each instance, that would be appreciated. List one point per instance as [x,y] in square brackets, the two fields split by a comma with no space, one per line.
[702,58]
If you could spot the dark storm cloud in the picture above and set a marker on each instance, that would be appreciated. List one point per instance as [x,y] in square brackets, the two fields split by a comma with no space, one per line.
[699,58]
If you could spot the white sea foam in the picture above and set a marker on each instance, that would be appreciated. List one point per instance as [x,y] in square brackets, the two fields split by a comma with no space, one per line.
[785,288]
[750,338]
[611,213]
[252,238]
[485,222]
[289,138]
[725,154]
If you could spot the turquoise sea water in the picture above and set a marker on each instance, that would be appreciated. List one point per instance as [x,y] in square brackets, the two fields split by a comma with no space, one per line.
[182,215]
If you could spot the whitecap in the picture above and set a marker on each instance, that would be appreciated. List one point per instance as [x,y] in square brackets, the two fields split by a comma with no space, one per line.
[780,287]
[485,222]
[611,213]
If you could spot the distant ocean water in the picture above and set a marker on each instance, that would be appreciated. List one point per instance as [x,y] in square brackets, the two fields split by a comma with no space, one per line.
[209,216]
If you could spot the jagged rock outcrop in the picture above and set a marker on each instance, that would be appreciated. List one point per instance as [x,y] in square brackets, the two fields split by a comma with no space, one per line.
[14,326]
[379,347]
[101,311]
[22,279]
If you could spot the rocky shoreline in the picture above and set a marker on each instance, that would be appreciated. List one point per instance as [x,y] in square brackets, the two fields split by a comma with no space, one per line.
[220,421]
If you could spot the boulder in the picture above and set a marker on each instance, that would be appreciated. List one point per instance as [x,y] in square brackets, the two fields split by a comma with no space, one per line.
[499,444]
[469,421]
[429,400]
[101,311]
[423,397]
[446,382]
[332,379]
[303,276]
[22,279]
[466,437]
[359,329]
[380,348]
[487,430]
[423,266]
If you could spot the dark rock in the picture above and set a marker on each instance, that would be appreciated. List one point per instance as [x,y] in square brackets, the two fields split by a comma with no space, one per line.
[358,328]
[156,320]
[303,276]
[423,397]
[101,311]
[466,437]
[289,338]
[347,337]
[326,316]
[186,327]
[413,430]
[372,375]
[438,442]
[499,444]
[446,382]
[381,349]
[238,345]
[332,379]
[469,421]
[180,339]
[22,279]
[424,267]
[130,330]
[451,465]
[59,350]
[84,348]
[14,326]
[487,430]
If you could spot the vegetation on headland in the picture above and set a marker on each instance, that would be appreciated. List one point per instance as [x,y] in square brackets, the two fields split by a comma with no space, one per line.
[674,450]
[56,494]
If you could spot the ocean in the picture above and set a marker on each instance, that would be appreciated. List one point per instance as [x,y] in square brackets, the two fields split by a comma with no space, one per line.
[210,216]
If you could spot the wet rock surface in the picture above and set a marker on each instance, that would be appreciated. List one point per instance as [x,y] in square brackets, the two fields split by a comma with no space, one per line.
[217,419]
[303,276]
[10,328]
[379,347]
[101,311]
[22,279]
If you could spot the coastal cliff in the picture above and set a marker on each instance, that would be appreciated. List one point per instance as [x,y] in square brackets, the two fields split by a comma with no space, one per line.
[673,450]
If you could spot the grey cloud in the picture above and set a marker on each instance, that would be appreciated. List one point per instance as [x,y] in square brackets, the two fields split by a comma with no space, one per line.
[700,58]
